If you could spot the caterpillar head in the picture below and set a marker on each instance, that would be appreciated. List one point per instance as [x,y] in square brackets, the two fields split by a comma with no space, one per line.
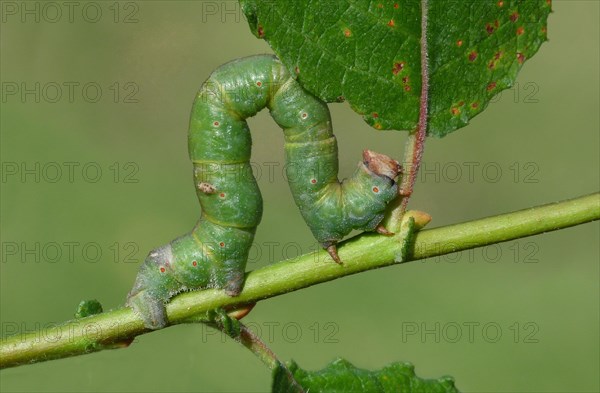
[385,172]
[381,165]
[373,186]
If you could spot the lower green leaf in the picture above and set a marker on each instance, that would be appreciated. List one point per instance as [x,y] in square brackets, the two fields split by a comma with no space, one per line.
[342,376]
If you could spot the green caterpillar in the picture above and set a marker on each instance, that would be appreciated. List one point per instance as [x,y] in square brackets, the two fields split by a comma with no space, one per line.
[214,253]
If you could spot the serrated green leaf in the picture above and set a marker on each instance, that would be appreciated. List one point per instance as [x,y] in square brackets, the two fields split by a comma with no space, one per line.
[368,53]
[341,376]
[87,308]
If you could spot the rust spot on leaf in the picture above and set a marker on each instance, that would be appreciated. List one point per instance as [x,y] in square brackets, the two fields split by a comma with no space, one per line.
[520,30]
[491,86]
[455,111]
[375,115]
[494,61]
[489,28]
[391,23]
[399,66]
[500,4]
[472,56]
[520,57]
[475,105]
[514,16]
[260,31]
[407,88]
[396,6]
[459,43]
[347,33]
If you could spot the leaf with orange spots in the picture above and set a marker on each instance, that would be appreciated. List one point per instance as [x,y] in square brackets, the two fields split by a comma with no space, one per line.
[342,376]
[368,53]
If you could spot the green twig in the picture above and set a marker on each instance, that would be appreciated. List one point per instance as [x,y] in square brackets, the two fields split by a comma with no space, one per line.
[242,334]
[117,328]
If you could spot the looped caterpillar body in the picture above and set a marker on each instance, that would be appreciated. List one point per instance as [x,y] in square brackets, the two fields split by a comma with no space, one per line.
[214,253]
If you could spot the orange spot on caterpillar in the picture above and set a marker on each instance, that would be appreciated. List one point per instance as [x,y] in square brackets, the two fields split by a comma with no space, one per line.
[162,269]
[520,57]
[347,33]
[216,124]
[472,56]
[459,43]
[491,86]
[313,181]
[520,30]
[514,16]
[376,190]
[194,263]
[475,105]
[391,23]
[222,244]
[259,83]
[399,66]
[260,31]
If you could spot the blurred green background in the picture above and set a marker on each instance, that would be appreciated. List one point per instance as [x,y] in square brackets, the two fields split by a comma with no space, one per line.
[516,317]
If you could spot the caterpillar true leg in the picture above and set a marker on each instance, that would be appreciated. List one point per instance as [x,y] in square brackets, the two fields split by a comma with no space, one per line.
[214,253]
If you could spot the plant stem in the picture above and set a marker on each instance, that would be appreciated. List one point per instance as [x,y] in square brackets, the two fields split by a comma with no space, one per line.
[117,328]
[415,144]
[231,326]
